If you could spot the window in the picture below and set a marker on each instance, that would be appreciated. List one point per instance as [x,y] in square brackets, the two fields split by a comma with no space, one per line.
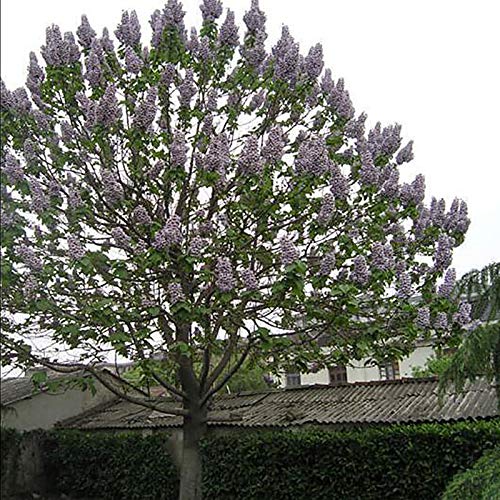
[338,375]
[389,370]
[292,379]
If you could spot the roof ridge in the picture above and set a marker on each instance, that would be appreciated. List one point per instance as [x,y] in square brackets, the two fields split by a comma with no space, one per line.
[88,413]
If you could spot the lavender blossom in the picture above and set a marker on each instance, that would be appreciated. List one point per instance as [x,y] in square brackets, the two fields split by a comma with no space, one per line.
[30,287]
[168,75]
[133,63]
[446,288]
[288,252]
[74,198]
[327,264]
[327,209]
[249,280]
[13,169]
[423,319]
[193,44]
[170,234]
[391,186]
[85,33]
[378,257]
[128,31]
[438,209]
[20,101]
[178,150]
[122,239]
[369,174]
[414,192]
[53,49]
[224,277]
[313,63]
[355,127]
[405,155]
[286,57]
[250,161]
[93,72]
[443,253]
[30,151]
[257,101]
[274,146]
[360,273]
[441,321]
[403,286]
[218,157]
[76,250]
[339,186]
[157,23]
[187,89]
[462,316]
[312,157]
[384,141]
[35,75]
[254,51]
[106,43]
[29,258]
[175,293]
[112,188]
[197,245]
[145,112]
[155,171]
[141,215]
[211,10]
[71,53]
[228,33]
[39,199]
[337,97]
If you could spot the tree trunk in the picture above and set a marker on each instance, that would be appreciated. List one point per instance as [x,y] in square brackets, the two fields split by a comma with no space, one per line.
[194,429]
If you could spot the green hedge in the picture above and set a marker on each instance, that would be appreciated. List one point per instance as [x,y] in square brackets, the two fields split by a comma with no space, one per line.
[402,462]
[481,482]
[9,446]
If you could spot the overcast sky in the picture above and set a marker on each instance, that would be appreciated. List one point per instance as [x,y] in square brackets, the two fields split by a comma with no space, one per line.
[431,65]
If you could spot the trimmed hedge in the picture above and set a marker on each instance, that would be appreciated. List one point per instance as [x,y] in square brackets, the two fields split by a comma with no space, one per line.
[481,482]
[9,446]
[399,462]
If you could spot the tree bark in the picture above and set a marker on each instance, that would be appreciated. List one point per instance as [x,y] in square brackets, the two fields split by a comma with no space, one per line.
[194,429]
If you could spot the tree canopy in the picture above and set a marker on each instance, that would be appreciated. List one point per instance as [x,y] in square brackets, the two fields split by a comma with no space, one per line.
[201,198]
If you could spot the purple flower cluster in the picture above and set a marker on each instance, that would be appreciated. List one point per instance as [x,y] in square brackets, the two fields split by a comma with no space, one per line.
[313,62]
[13,169]
[122,239]
[141,216]
[249,280]
[403,286]
[68,134]
[58,51]
[286,57]
[93,69]
[384,141]
[339,185]
[112,189]
[336,96]
[369,174]
[382,256]
[76,250]
[441,321]
[30,287]
[327,209]
[438,209]
[175,293]
[405,154]
[106,42]
[155,171]
[446,288]
[211,10]
[128,30]
[170,234]
[250,161]
[312,157]
[35,75]
[218,156]
[288,251]
[171,18]
[168,75]
[272,150]
[85,33]
[443,253]
[257,101]
[253,50]
[462,316]
[423,319]
[414,192]
[187,89]
[457,217]
[327,264]
[39,199]
[360,273]
[74,198]
[390,187]
[196,246]
[30,258]
[133,63]
[178,150]
[228,33]
[145,112]
[224,277]
[355,127]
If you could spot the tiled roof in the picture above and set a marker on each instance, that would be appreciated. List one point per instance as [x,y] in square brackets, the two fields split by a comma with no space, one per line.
[15,389]
[401,401]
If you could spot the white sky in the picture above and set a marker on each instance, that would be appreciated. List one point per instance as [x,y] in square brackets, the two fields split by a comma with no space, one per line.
[430,65]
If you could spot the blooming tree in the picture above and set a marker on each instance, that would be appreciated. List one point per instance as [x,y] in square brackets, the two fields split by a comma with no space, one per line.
[199,200]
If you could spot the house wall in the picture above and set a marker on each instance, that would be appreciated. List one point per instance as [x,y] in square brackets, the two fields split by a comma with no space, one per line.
[43,410]
[357,371]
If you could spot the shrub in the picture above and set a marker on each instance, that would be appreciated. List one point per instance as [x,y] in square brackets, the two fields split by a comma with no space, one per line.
[481,482]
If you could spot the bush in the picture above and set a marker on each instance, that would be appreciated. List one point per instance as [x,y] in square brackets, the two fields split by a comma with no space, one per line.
[410,462]
[9,444]
[481,482]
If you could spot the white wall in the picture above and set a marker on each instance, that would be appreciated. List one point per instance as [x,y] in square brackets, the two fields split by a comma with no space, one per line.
[43,410]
